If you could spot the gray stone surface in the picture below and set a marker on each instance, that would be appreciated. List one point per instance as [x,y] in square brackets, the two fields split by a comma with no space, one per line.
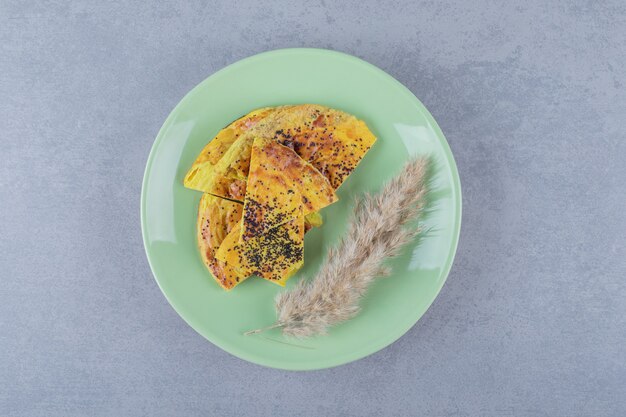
[532,98]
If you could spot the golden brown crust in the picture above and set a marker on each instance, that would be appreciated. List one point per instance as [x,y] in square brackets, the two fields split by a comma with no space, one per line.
[275,255]
[206,176]
[216,219]
[284,163]
[281,186]
[334,142]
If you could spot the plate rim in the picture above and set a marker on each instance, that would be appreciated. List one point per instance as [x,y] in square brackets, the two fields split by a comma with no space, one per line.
[456,189]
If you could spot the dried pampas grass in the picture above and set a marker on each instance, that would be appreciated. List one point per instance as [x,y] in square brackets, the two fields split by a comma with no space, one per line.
[378,231]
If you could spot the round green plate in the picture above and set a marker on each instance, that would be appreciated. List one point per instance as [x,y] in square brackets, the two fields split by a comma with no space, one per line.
[403,127]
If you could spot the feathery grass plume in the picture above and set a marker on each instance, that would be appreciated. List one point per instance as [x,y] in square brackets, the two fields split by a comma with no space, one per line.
[378,231]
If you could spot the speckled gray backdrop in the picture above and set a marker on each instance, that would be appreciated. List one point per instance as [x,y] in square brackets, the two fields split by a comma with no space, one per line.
[532,320]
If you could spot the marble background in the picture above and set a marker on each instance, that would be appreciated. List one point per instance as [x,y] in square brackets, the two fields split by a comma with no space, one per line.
[532,320]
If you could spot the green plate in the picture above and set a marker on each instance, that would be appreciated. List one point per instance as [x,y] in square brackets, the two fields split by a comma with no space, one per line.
[403,127]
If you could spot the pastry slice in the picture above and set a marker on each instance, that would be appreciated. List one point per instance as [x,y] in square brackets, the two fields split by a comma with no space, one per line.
[216,219]
[280,184]
[274,256]
[203,175]
[333,141]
